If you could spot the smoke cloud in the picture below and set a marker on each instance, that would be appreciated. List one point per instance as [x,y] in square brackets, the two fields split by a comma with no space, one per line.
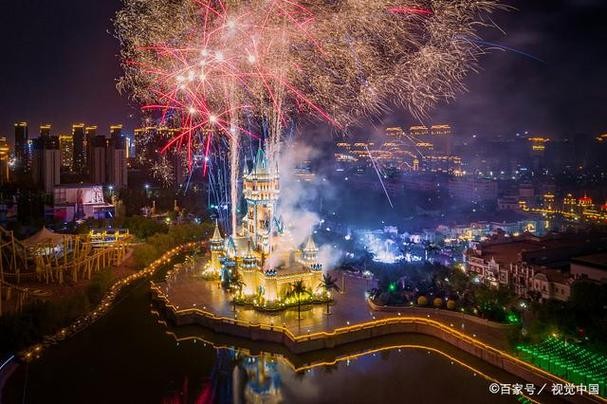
[296,208]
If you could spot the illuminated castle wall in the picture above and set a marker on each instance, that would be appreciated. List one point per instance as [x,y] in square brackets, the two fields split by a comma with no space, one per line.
[261,232]
[261,190]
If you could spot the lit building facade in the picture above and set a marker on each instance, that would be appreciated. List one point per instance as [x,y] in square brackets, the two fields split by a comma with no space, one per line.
[22,151]
[66,145]
[45,130]
[46,162]
[396,133]
[262,253]
[79,149]
[97,159]
[117,158]
[419,131]
[90,132]
[4,159]
[442,139]
[472,189]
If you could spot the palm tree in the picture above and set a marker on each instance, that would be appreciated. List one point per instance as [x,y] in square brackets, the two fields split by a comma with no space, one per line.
[298,290]
[236,282]
[329,283]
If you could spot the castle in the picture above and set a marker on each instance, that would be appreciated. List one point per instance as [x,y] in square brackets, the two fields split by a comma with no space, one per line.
[262,252]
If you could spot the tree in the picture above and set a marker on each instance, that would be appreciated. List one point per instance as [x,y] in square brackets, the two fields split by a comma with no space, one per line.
[329,283]
[429,249]
[298,290]
[237,282]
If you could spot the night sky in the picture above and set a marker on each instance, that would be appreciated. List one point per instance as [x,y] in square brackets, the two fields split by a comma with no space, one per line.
[60,65]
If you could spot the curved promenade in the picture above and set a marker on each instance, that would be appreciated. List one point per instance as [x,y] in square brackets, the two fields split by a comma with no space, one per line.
[105,304]
[188,300]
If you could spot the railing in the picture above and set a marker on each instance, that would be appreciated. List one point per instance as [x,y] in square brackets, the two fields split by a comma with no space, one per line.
[380,326]
[447,313]
[104,306]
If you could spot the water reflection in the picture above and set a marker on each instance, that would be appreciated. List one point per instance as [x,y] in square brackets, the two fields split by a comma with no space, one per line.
[131,356]
[389,368]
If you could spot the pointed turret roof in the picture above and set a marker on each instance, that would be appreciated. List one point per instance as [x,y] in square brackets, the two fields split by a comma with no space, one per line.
[249,250]
[261,161]
[310,245]
[216,233]
[230,248]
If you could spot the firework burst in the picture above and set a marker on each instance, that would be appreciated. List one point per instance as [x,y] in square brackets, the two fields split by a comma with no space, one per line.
[246,67]
[214,62]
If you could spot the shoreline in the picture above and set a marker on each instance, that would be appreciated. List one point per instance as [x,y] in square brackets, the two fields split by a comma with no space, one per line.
[391,325]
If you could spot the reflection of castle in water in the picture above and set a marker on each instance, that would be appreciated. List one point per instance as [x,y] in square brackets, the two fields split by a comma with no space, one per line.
[262,383]
[237,377]
[242,378]
[252,371]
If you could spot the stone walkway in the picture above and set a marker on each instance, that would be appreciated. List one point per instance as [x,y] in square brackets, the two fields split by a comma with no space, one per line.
[187,290]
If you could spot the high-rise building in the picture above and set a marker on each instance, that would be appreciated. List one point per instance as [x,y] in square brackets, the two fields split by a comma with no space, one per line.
[98,160]
[4,158]
[46,162]
[45,130]
[538,145]
[22,155]
[79,141]
[538,152]
[115,131]
[66,145]
[442,139]
[396,133]
[437,138]
[89,134]
[129,145]
[419,131]
[117,158]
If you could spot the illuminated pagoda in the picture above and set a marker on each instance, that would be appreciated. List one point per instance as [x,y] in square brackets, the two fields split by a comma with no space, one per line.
[263,253]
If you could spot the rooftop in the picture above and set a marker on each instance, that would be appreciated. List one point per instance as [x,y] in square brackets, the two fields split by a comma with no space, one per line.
[552,249]
[598,260]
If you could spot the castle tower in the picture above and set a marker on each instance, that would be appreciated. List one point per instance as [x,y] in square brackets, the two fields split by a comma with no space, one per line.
[249,260]
[310,255]
[228,259]
[261,190]
[216,247]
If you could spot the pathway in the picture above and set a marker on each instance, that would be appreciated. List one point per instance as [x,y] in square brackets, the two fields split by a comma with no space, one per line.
[188,290]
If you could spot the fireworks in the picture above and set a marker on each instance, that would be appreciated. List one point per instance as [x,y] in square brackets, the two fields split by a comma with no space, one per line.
[215,63]
[247,67]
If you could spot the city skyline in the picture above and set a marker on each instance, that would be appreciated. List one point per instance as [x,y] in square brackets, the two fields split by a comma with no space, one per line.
[282,207]
[78,83]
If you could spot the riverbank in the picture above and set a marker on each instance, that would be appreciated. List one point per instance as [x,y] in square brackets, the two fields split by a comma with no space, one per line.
[188,300]
[83,322]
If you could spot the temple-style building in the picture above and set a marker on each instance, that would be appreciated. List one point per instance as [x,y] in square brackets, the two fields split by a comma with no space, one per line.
[263,252]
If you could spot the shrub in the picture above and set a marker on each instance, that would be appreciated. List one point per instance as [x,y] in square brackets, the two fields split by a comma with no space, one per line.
[99,284]
[451,304]
[437,302]
[422,301]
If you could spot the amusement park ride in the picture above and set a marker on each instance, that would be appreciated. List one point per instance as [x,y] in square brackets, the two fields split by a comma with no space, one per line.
[53,258]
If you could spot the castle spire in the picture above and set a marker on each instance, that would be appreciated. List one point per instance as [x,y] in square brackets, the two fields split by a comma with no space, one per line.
[261,161]
[216,233]
[310,244]
[230,247]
